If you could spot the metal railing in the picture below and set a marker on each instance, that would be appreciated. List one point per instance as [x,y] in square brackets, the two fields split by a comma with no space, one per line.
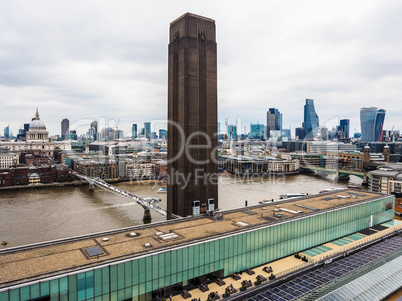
[144,202]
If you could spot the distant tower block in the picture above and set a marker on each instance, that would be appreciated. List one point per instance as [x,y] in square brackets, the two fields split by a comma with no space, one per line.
[366,156]
[387,153]
[192,113]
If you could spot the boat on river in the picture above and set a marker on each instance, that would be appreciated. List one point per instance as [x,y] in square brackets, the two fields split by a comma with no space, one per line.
[331,189]
[292,195]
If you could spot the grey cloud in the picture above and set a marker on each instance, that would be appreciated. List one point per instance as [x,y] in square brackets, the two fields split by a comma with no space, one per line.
[77,59]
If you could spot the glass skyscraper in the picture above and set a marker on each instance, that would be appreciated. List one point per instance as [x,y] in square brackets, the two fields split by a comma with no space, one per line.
[372,122]
[300,134]
[65,128]
[257,131]
[274,121]
[311,122]
[232,132]
[134,131]
[94,130]
[7,133]
[147,130]
[344,127]
[162,133]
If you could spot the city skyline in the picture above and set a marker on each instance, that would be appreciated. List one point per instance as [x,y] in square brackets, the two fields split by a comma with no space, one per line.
[84,66]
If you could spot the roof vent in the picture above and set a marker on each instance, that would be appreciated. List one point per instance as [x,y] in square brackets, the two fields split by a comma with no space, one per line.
[132,234]
[105,239]
[242,224]
[147,245]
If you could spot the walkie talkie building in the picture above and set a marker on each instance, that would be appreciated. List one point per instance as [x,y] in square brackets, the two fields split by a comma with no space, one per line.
[372,122]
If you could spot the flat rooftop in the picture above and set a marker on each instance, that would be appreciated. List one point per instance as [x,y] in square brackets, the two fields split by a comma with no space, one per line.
[32,262]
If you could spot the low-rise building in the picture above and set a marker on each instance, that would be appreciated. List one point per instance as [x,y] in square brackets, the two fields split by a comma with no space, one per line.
[241,165]
[386,179]
[22,175]
[318,147]
[140,171]
[7,159]
[289,166]
[161,170]
[93,169]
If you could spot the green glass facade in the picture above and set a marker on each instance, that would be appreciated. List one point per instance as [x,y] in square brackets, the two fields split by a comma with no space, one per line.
[138,277]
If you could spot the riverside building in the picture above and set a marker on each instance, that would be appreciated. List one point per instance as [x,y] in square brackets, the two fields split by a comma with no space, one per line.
[7,159]
[157,260]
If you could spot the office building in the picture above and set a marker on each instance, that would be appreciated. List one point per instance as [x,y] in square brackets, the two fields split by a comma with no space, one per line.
[7,159]
[300,133]
[318,147]
[192,114]
[232,132]
[387,179]
[274,121]
[93,168]
[275,137]
[22,132]
[94,130]
[119,135]
[162,134]
[134,131]
[257,131]
[71,135]
[107,134]
[7,133]
[65,128]
[372,122]
[344,126]
[311,122]
[147,130]
[286,133]
[140,171]
[323,133]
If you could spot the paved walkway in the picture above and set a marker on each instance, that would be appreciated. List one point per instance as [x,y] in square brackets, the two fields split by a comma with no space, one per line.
[282,266]
[278,266]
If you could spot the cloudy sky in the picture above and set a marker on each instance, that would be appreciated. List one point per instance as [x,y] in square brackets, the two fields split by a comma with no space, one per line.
[107,60]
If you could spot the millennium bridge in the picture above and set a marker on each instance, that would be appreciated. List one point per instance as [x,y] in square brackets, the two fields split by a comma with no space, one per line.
[147,203]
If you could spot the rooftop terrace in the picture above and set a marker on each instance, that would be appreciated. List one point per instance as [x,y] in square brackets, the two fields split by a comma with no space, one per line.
[33,262]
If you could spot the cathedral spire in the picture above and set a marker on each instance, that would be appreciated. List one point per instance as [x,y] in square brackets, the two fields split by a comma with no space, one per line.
[37,114]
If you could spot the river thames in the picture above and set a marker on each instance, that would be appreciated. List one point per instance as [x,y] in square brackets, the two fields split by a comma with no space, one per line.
[42,214]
